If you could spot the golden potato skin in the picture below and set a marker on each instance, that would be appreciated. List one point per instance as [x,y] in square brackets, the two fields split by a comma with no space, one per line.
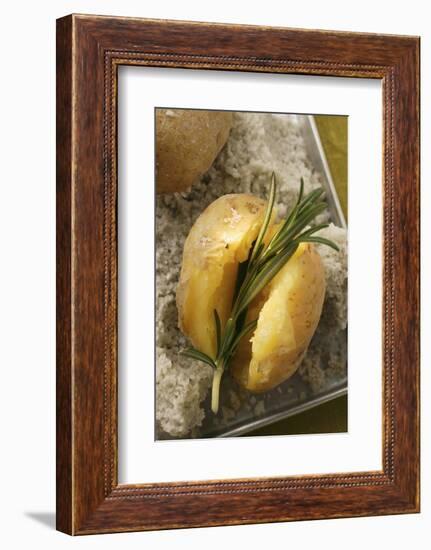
[187,142]
[288,312]
[220,238]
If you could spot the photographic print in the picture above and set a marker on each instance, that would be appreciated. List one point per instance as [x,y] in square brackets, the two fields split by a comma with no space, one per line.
[251,273]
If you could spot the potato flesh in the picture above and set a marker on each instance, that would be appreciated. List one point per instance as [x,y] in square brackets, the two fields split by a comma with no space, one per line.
[287,320]
[219,240]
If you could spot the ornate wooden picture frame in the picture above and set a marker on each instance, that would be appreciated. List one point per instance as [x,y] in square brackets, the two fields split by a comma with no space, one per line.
[89,51]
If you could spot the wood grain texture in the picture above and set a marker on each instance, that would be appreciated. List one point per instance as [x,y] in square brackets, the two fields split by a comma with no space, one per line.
[64,497]
[90,49]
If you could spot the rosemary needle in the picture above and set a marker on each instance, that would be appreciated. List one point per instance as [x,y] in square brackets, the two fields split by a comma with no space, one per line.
[263,264]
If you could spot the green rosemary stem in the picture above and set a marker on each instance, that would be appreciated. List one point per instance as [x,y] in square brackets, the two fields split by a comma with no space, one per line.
[215,390]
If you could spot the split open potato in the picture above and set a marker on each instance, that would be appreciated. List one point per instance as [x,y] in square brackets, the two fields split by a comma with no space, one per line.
[288,309]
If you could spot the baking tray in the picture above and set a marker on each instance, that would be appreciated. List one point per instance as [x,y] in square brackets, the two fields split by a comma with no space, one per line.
[293,396]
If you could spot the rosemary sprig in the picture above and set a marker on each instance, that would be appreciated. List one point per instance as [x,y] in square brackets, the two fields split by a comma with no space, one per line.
[262,265]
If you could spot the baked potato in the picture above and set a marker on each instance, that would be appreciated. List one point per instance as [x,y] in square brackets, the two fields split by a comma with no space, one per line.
[288,308]
[187,142]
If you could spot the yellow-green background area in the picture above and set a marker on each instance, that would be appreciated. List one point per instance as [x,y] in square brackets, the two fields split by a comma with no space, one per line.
[331,416]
